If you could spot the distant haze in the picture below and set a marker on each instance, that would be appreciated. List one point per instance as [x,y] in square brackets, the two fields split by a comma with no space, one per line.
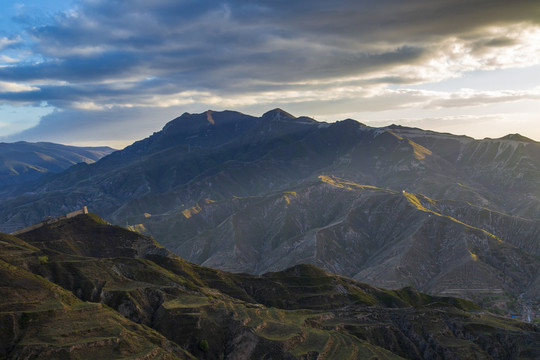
[109,73]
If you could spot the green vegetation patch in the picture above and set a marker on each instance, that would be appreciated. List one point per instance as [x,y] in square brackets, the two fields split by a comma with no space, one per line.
[312,340]
[361,297]
[277,331]
[187,301]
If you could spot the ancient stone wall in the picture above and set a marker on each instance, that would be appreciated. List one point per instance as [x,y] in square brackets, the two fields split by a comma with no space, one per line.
[83,210]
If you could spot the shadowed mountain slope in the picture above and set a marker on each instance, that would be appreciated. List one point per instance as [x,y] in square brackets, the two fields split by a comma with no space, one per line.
[239,155]
[300,313]
[23,161]
[387,238]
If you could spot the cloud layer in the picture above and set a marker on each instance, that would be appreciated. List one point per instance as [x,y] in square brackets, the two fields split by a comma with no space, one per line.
[114,58]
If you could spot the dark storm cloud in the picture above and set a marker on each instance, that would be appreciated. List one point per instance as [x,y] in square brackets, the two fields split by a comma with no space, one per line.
[109,65]
[388,20]
[119,52]
[107,38]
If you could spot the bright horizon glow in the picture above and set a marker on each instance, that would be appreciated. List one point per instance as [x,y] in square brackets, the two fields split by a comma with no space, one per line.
[112,74]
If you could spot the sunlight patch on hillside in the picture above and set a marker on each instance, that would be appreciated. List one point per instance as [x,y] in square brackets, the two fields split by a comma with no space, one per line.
[188,213]
[420,152]
[345,184]
[288,195]
[416,202]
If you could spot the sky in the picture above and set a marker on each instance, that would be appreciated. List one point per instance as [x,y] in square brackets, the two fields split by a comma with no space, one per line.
[109,72]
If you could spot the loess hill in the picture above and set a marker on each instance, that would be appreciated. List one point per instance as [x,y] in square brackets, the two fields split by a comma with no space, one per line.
[82,288]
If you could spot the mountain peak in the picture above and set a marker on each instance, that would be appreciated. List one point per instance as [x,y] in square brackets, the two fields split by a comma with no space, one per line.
[356,121]
[517,137]
[278,114]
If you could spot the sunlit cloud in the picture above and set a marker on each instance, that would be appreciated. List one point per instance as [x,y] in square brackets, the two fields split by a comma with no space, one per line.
[7,42]
[9,87]
[85,106]
[469,97]
[7,59]
[462,98]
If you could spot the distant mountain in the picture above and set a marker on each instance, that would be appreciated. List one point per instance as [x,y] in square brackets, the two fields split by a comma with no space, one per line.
[392,206]
[23,161]
[81,288]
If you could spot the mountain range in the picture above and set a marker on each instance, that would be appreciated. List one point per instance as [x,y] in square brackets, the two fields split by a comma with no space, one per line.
[82,288]
[23,161]
[391,206]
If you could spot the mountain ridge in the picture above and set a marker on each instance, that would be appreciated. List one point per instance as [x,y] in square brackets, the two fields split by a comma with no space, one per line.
[217,172]
[24,161]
